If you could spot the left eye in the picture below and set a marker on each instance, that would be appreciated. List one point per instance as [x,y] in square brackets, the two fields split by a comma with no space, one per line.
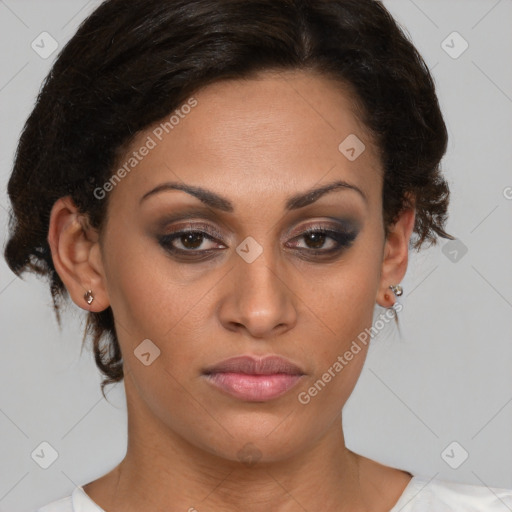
[317,238]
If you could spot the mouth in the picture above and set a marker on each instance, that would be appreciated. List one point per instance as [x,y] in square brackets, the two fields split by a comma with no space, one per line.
[254,379]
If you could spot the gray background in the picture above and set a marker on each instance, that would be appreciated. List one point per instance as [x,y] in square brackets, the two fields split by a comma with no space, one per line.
[446,378]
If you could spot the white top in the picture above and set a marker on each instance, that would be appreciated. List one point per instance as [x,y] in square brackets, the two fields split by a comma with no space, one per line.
[421,495]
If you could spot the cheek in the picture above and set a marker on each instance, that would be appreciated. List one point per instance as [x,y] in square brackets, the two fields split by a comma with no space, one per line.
[345,296]
[141,287]
[152,299]
[344,302]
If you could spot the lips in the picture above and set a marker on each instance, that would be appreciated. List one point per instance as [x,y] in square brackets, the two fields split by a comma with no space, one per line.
[256,366]
[254,379]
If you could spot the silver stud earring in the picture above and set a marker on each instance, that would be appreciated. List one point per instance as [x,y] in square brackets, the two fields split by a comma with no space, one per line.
[88,296]
[397,289]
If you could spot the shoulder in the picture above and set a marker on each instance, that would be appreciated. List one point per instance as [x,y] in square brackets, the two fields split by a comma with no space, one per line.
[79,501]
[62,505]
[479,497]
[424,493]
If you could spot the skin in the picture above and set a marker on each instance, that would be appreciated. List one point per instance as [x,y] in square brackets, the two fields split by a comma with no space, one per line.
[255,142]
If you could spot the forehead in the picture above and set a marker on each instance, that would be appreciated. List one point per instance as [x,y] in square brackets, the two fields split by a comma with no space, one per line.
[277,133]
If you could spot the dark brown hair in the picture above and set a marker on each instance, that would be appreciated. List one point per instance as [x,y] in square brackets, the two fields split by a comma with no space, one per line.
[132,62]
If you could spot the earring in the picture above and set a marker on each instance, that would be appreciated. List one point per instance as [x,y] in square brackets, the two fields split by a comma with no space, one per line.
[88,296]
[397,289]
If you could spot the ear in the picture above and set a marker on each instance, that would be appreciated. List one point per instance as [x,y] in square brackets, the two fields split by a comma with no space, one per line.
[395,255]
[76,255]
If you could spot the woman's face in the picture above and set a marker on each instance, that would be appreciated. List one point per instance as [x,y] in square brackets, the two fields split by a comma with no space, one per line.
[248,281]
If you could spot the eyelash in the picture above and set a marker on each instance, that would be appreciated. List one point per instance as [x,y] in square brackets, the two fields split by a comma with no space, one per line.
[343,239]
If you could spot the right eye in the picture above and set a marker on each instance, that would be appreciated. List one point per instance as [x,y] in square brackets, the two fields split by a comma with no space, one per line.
[187,242]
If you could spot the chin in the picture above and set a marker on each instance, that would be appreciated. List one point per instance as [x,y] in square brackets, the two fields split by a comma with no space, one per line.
[261,441]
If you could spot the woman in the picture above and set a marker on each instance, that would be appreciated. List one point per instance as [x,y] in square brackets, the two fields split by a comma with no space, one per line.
[229,187]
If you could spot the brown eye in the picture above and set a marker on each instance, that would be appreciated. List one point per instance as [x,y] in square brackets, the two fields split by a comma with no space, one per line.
[192,240]
[187,241]
[317,238]
[201,242]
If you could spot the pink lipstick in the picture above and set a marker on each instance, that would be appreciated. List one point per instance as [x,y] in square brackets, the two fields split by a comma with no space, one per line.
[254,379]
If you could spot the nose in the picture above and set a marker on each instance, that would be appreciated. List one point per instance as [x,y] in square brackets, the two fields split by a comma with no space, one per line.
[258,298]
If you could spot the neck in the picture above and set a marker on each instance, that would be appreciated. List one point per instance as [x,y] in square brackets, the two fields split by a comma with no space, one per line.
[162,470]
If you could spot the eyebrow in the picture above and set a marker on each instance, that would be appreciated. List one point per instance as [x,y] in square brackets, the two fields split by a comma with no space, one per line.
[221,203]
